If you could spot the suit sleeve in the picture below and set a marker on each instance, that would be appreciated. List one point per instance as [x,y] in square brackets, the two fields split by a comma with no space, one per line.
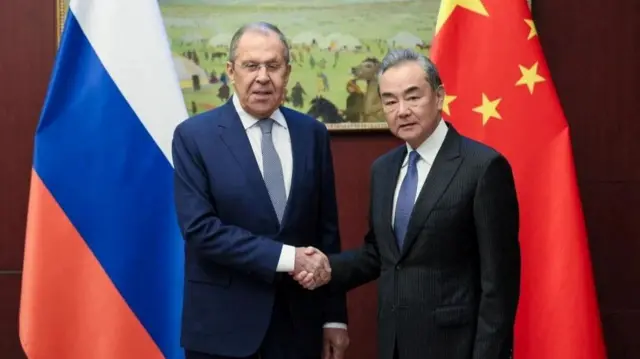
[497,225]
[336,304]
[356,267]
[201,228]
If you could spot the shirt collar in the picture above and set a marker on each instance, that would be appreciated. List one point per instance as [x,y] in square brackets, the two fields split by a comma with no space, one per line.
[430,147]
[250,121]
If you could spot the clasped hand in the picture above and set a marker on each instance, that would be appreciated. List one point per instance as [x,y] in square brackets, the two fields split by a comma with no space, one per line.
[312,268]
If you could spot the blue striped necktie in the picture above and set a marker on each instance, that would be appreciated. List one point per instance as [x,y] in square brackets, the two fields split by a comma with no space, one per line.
[272,169]
[406,199]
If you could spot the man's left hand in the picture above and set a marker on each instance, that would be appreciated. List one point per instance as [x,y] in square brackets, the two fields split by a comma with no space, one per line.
[336,342]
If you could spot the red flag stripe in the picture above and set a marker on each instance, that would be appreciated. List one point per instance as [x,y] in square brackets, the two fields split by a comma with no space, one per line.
[67,296]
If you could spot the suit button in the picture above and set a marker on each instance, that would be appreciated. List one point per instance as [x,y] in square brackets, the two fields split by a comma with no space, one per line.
[398,267]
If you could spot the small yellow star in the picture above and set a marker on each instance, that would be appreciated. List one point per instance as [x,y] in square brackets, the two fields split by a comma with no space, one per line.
[488,109]
[445,106]
[532,29]
[529,77]
[447,7]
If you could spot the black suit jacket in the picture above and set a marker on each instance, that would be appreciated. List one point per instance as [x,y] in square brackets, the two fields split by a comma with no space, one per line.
[451,292]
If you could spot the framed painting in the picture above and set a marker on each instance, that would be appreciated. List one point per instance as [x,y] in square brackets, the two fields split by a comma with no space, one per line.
[336,49]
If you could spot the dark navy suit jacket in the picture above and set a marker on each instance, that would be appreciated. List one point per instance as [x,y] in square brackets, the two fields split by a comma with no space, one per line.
[233,238]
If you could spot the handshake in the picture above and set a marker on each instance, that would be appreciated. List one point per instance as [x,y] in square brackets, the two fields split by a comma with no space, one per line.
[311,268]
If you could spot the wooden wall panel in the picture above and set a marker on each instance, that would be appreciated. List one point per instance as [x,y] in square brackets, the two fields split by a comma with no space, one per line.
[27,40]
[27,43]
[353,156]
[593,55]
[9,301]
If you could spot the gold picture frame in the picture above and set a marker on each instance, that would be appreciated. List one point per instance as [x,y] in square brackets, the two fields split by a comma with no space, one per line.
[334,59]
[61,12]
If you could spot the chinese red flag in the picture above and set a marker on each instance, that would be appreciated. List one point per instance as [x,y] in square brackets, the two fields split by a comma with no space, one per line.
[500,92]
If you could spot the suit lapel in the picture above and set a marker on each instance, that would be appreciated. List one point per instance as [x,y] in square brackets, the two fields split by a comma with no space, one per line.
[388,184]
[301,146]
[235,138]
[442,172]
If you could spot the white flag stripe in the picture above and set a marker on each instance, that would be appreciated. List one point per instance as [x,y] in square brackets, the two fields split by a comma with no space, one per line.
[130,40]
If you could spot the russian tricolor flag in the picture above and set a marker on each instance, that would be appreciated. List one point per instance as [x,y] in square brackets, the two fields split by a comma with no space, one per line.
[103,265]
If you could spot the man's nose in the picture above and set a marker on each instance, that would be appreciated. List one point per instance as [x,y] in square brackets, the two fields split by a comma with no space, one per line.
[263,75]
[403,109]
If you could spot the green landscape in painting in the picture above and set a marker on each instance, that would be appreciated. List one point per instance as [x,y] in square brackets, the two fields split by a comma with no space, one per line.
[337,46]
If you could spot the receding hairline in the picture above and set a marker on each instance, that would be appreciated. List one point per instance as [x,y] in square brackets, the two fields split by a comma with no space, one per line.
[262,28]
[258,30]
[261,32]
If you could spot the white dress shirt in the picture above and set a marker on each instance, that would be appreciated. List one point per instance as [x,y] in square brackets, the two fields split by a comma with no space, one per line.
[282,144]
[427,151]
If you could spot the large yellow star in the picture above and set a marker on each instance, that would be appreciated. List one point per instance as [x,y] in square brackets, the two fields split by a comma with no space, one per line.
[532,29]
[447,7]
[488,109]
[529,77]
[445,106]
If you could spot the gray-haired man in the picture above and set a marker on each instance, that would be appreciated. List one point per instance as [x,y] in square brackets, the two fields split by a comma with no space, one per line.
[443,232]
[254,187]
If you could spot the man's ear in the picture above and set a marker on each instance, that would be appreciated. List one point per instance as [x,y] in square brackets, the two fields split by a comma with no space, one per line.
[440,93]
[230,71]
[286,75]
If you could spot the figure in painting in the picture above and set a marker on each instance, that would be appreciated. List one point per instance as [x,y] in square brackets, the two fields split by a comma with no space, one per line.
[368,71]
[297,93]
[325,111]
[355,102]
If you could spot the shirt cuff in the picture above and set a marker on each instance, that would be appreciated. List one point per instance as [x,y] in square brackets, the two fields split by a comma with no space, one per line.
[287,260]
[335,325]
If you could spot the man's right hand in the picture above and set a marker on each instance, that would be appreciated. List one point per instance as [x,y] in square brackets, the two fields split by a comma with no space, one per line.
[311,268]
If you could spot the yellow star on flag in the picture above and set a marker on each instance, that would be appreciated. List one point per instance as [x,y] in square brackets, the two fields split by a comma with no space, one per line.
[530,77]
[532,29]
[447,7]
[445,106]
[488,109]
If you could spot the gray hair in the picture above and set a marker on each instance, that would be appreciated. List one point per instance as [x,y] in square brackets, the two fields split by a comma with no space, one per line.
[398,56]
[260,26]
